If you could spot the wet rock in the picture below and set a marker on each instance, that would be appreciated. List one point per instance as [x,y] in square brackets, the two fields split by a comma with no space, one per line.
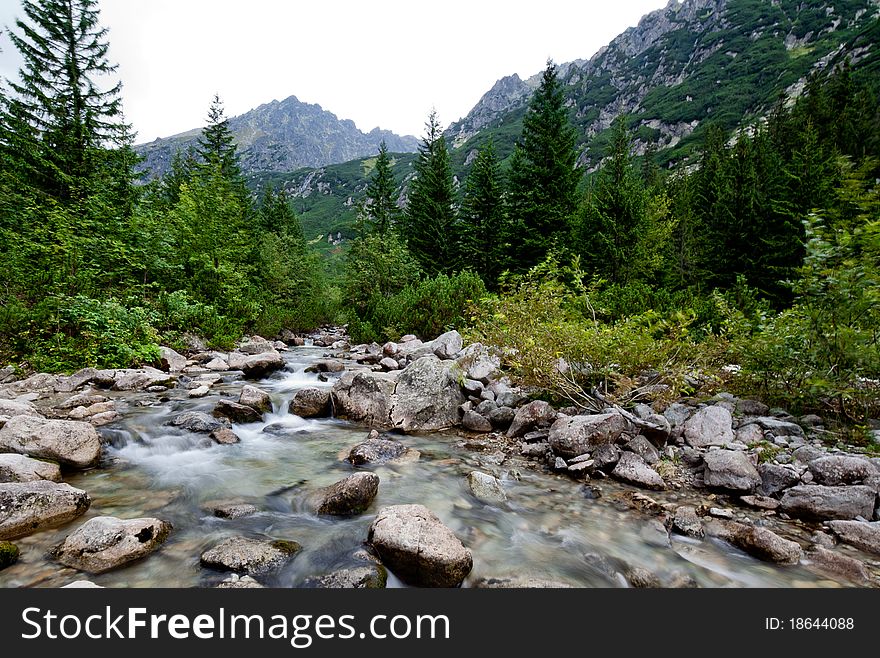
[171,361]
[501,418]
[105,543]
[256,398]
[644,449]
[198,421]
[448,345]
[764,544]
[760,502]
[224,436]
[731,470]
[234,510]
[329,365]
[140,379]
[571,436]
[377,450]
[218,365]
[819,502]
[76,380]
[348,497]
[199,392]
[8,554]
[642,578]
[838,565]
[234,361]
[18,408]
[531,416]
[475,422]
[84,399]
[260,365]
[687,522]
[418,548]
[710,426]
[26,507]
[235,581]
[427,396]
[839,469]
[534,449]
[254,557]
[520,582]
[311,403]
[19,468]
[486,488]
[605,456]
[632,469]
[389,364]
[365,396]
[237,413]
[371,576]
[862,535]
[70,443]
[775,479]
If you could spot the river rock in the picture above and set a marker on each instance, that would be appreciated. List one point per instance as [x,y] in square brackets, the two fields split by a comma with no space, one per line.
[501,417]
[255,398]
[686,521]
[68,442]
[389,364]
[199,391]
[18,408]
[710,426]
[764,544]
[474,422]
[373,576]
[839,565]
[19,468]
[820,502]
[862,535]
[365,396]
[751,408]
[643,448]
[254,557]
[571,436]
[77,379]
[218,364]
[170,360]
[605,456]
[528,417]
[256,345]
[106,543]
[418,548]
[26,507]
[731,470]
[448,345]
[234,581]
[841,469]
[234,510]
[486,488]
[8,554]
[237,413]
[140,379]
[198,421]
[84,399]
[778,427]
[310,403]
[235,360]
[258,366]
[677,414]
[632,468]
[348,497]
[519,582]
[427,396]
[775,479]
[224,436]
[377,450]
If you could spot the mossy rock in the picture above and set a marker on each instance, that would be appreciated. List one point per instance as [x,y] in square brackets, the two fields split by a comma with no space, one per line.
[8,554]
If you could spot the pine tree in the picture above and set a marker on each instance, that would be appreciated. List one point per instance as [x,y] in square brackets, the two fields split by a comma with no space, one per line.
[60,115]
[543,176]
[481,225]
[217,145]
[430,212]
[277,216]
[184,164]
[379,211]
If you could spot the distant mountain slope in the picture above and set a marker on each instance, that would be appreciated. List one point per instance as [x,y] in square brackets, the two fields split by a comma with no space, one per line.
[283,136]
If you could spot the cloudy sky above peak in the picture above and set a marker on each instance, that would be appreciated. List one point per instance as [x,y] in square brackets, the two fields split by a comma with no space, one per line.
[379,62]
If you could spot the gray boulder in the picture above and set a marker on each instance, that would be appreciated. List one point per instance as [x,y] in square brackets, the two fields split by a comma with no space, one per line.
[170,360]
[18,468]
[839,566]
[84,399]
[348,497]
[605,456]
[255,557]
[258,366]
[764,544]
[776,478]
[632,469]
[373,576]
[571,436]
[256,345]
[18,408]
[711,426]
[643,448]
[256,398]
[864,536]
[528,417]
[106,543]
[418,548]
[365,396]
[377,450]
[474,422]
[448,345]
[778,427]
[731,470]
[427,396]
[478,363]
[140,379]
[70,443]
[77,379]
[486,488]
[311,403]
[686,521]
[26,507]
[841,469]
[501,417]
[198,421]
[237,413]
[234,510]
[820,502]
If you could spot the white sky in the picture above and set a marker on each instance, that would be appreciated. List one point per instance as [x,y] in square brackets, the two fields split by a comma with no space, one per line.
[378,62]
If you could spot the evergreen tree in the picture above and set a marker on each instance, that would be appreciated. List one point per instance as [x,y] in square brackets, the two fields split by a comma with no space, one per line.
[430,212]
[379,211]
[543,175]
[60,115]
[277,216]
[481,225]
[217,145]
[184,165]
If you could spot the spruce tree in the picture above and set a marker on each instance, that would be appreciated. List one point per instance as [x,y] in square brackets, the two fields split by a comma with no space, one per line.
[217,147]
[430,213]
[59,113]
[276,215]
[543,176]
[481,227]
[379,212]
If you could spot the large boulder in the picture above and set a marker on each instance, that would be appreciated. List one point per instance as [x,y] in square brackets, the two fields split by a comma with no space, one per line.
[18,468]
[710,426]
[365,397]
[138,380]
[763,543]
[106,543]
[486,488]
[255,557]
[776,479]
[198,421]
[77,379]
[448,345]
[348,497]
[418,548]
[864,536]
[536,413]
[260,365]
[820,502]
[474,422]
[427,396]
[255,398]
[256,345]
[170,360]
[26,507]
[572,436]
[70,443]
[311,403]
[18,408]
[778,427]
[731,470]
[841,469]
[377,450]
[237,413]
[631,468]
[477,362]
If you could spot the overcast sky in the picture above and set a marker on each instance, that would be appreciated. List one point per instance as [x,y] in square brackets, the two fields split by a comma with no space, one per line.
[378,62]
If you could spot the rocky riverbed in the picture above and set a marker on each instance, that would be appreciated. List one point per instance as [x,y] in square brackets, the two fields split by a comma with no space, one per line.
[413,463]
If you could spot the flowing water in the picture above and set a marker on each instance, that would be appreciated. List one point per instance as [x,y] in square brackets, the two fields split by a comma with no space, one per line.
[549,529]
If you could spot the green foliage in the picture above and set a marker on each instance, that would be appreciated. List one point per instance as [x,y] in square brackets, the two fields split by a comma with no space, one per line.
[380,211]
